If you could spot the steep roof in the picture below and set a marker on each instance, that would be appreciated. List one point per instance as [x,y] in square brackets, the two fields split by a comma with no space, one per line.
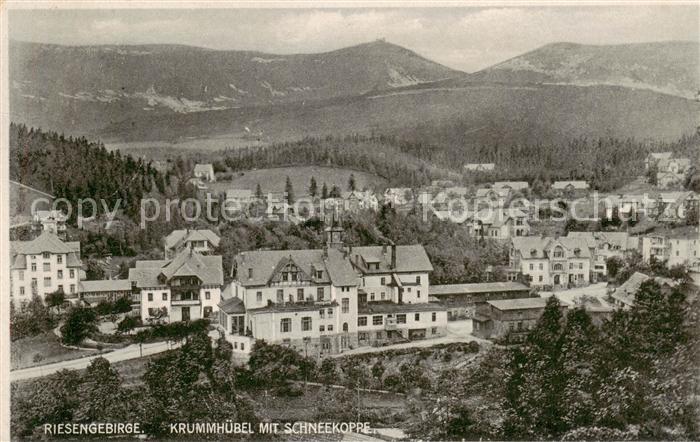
[619,239]
[264,263]
[178,237]
[46,242]
[187,263]
[409,258]
[626,292]
[497,217]
[482,287]
[540,247]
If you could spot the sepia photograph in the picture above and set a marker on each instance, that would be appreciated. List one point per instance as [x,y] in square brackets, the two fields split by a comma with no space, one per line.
[350,221]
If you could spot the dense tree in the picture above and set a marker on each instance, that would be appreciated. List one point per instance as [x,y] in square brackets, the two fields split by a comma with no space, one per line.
[289,190]
[80,323]
[324,191]
[351,182]
[313,188]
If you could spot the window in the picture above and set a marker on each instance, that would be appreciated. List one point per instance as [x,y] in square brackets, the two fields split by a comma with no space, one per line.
[416,317]
[207,295]
[330,312]
[434,316]
[72,288]
[361,321]
[59,259]
[300,295]
[258,296]
[319,274]
[208,311]
[319,294]
[280,296]
[322,313]
[46,255]
[286,325]
[60,274]
[47,267]
[400,319]
[60,287]
[33,267]
[306,323]
[345,305]
[47,282]
[371,296]
[250,273]
[383,281]
[235,345]
[242,346]
[150,296]
[417,279]
[541,266]
[285,276]
[330,327]
[433,330]
[165,296]
[71,273]
[532,267]
[345,327]
[377,320]
[540,278]
[417,293]
[21,290]
[152,311]
[580,266]
[290,298]
[558,252]
[382,296]
[21,275]
[322,328]
[571,266]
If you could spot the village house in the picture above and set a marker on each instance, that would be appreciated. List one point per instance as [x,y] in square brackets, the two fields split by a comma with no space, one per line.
[356,200]
[201,241]
[550,262]
[52,221]
[654,157]
[499,223]
[328,300]
[184,288]
[491,197]
[605,245]
[674,207]
[204,172]
[95,291]
[479,167]
[675,248]
[510,319]
[671,172]
[514,187]
[624,295]
[461,300]
[398,196]
[238,199]
[44,265]
[570,189]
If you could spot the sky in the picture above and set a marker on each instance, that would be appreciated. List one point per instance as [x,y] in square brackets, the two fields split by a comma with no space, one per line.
[465,38]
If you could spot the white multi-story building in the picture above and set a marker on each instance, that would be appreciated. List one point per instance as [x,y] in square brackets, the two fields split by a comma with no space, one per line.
[44,265]
[332,299]
[188,287]
[681,248]
[548,262]
[605,245]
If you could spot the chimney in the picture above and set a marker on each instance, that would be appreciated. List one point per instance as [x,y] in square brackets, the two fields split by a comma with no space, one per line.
[393,256]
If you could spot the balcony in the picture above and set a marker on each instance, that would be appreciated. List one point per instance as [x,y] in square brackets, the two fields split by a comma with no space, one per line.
[185,300]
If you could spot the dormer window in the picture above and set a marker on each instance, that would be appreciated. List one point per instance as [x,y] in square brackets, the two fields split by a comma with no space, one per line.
[319,274]
[577,251]
[250,272]
[533,252]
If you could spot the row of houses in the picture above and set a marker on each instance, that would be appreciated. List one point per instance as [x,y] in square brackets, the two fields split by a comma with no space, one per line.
[580,258]
[670,170]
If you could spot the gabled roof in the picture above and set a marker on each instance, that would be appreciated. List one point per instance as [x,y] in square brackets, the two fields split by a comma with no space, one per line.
[619,239]
[479,166]
[187,263]
[537,247]
[627,291]
[410,258]
[46,242]
[179,237]
[264,263]
[497,217]
[561,185]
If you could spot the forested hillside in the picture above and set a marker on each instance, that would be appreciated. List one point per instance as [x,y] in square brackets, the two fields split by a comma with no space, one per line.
[607,163]
[75,168]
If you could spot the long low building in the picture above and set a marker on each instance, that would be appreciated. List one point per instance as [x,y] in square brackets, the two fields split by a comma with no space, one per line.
[461,300]
[509,318]
[95,291]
